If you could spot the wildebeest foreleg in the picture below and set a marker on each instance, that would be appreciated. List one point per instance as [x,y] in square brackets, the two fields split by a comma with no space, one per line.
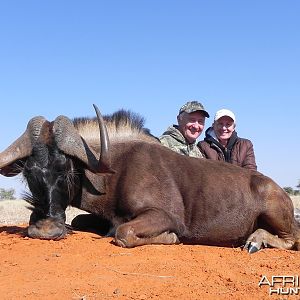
[262,237]
[150,227]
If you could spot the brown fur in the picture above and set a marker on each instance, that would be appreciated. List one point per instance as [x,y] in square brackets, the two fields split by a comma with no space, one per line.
[152,195]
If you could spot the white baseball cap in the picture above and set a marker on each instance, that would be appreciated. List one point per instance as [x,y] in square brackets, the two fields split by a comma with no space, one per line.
[224,112]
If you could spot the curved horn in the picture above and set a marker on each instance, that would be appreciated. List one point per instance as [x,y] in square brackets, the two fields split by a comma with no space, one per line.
[70,142]
[104,159]
[22,147]
[40,150]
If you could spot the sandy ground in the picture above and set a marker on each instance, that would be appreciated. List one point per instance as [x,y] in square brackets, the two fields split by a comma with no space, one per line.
[88,266]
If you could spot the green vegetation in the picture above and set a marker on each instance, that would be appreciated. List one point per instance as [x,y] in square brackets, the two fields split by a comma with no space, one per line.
[7,194]
[291,191]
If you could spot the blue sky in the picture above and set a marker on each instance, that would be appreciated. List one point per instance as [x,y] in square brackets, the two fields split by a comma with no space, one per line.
[60,57]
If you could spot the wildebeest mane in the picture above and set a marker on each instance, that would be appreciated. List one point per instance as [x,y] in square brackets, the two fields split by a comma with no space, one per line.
[121,125]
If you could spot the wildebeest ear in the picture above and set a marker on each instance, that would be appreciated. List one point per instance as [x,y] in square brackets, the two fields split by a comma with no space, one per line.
[95,184]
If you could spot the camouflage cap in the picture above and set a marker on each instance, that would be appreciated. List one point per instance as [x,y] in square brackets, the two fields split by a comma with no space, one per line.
[192,106]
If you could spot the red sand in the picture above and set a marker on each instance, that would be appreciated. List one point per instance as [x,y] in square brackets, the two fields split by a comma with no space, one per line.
[87,266]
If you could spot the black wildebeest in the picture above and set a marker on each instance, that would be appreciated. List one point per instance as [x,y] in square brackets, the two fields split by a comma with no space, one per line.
[150,194]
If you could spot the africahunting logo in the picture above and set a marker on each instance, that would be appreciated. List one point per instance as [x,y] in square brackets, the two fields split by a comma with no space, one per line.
[281,284]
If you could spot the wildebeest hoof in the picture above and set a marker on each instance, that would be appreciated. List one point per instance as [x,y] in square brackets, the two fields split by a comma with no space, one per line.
[173,238]
[121,243]
[252,247]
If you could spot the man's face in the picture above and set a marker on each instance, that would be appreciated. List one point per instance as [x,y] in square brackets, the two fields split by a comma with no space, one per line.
[191,125]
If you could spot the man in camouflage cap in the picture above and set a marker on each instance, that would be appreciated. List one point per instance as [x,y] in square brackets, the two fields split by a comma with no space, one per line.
[182,138]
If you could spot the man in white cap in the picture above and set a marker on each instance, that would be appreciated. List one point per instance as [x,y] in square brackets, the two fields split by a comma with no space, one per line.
[182,138]
[222,143]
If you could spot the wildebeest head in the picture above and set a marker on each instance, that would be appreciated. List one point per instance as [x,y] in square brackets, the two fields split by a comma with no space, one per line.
[49,152]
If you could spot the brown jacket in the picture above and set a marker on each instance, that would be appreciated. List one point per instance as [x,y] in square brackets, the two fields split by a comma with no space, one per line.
[239,151]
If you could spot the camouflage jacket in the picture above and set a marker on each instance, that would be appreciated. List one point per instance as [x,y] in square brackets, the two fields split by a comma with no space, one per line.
[173,139]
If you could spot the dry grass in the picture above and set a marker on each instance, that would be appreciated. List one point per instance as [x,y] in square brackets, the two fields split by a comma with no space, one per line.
[296,201]
[13,212]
